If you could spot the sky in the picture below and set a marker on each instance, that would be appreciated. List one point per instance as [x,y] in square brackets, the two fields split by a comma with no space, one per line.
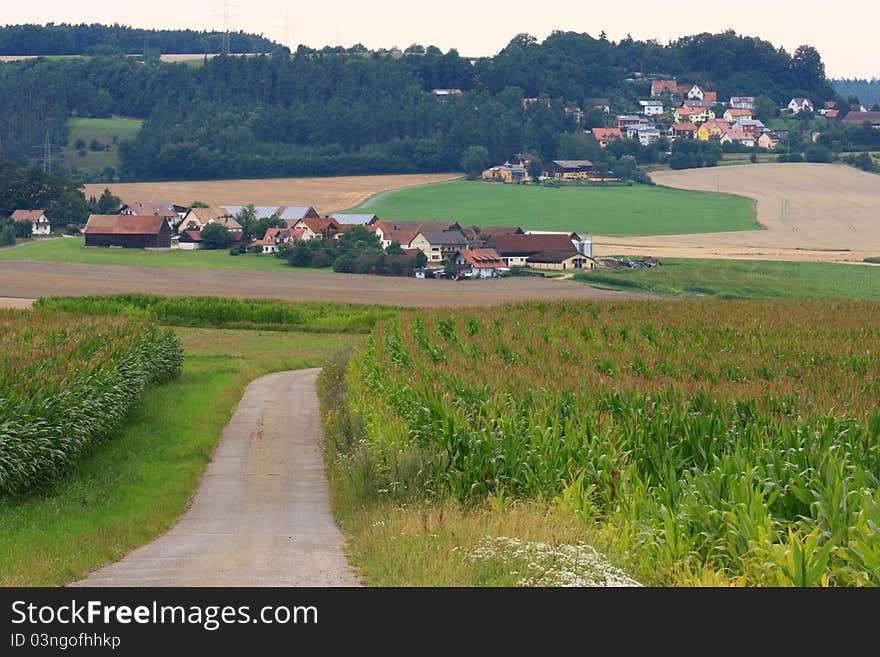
[844,31]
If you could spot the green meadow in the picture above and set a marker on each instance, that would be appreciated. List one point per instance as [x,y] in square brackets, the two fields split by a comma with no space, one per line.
[109,133]
[612,210]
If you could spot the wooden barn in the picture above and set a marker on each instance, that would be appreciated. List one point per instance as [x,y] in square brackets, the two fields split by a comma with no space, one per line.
[128,231]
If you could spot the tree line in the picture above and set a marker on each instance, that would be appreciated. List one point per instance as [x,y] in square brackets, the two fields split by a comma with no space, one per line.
[97,39]
[336,111]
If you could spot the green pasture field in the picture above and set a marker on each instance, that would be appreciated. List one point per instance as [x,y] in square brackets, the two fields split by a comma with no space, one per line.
[108,132]
[72,250]
[745,279]
[635,210]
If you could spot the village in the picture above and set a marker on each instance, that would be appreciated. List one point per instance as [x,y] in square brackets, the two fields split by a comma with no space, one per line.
[675,110]
[423,249]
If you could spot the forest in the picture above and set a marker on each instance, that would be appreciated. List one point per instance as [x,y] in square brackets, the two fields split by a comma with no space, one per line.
[96,39]
[866,91]
[336,111]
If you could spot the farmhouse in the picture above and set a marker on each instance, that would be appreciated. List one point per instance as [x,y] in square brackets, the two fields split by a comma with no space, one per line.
[480,263]
[560,260]
[403,232]
[508,173]
[128,231]
[275,237]
[40,224]
[437,245]
[568,169]
[321,228]
[515,250]
[606,135]
[198,218]
[712,130]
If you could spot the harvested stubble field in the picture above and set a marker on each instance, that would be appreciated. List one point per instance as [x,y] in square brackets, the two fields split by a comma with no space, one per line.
[810,212]
[699,442]
[325,194]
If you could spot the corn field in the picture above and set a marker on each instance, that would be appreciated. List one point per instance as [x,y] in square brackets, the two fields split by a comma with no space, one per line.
[67,382]
[709,442]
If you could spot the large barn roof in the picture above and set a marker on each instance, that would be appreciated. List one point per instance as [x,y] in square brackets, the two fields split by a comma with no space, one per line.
[124,224]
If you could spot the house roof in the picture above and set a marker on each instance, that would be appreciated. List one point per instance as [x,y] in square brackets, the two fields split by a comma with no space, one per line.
[710,96]
[556,256]
[739,112]
[125,224]
[482,258]
[524,245]
[607,133]
[295,211]
[573,164]
[191,236]
[144,209]
[861,117]
[33,216]
[500,230]
[684,126]
[443,237]
[832,114]
[319,225]
[738,135]
[204,215]
[659,86]
[469,233]
[229,222]
[354,219]
[260,211]
[691,110]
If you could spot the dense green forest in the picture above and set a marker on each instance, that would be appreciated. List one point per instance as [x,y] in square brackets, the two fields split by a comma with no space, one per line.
[95,39]
[867,91]
[345,112]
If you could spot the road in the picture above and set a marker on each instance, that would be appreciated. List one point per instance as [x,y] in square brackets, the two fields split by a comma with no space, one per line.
[261,514]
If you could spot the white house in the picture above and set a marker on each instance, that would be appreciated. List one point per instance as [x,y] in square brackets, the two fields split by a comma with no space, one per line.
[40,225]
[651,107]
[695,93]
[480,263]
[798,105]
[646,134]
[742,102]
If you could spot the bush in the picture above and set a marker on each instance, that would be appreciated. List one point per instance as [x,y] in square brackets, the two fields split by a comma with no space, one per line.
[818,154]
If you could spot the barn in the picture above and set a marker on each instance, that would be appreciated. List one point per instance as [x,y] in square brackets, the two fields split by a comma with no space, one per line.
[128,231]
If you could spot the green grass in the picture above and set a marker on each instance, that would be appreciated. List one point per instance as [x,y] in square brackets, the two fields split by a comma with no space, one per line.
[635,210]
[108,132]
[137,484]
[72,250]
[746,279]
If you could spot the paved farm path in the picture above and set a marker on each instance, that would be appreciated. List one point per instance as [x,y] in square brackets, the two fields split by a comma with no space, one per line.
[261,514]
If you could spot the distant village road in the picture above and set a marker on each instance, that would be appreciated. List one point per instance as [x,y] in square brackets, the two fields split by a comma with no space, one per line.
[32,280]
[261,514]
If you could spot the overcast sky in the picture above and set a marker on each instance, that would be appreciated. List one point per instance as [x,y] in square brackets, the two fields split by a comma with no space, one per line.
[844,31]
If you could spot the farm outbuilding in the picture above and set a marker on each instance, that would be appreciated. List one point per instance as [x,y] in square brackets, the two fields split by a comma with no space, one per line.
[128,231]
[560,261]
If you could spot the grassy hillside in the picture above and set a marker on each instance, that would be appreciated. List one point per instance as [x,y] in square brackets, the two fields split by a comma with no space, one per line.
[108,133]
[746,279]
[637,210]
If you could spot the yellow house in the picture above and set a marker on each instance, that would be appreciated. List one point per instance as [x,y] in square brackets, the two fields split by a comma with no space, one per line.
[506,173]
[694,114]
[560,261]
[712,130]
